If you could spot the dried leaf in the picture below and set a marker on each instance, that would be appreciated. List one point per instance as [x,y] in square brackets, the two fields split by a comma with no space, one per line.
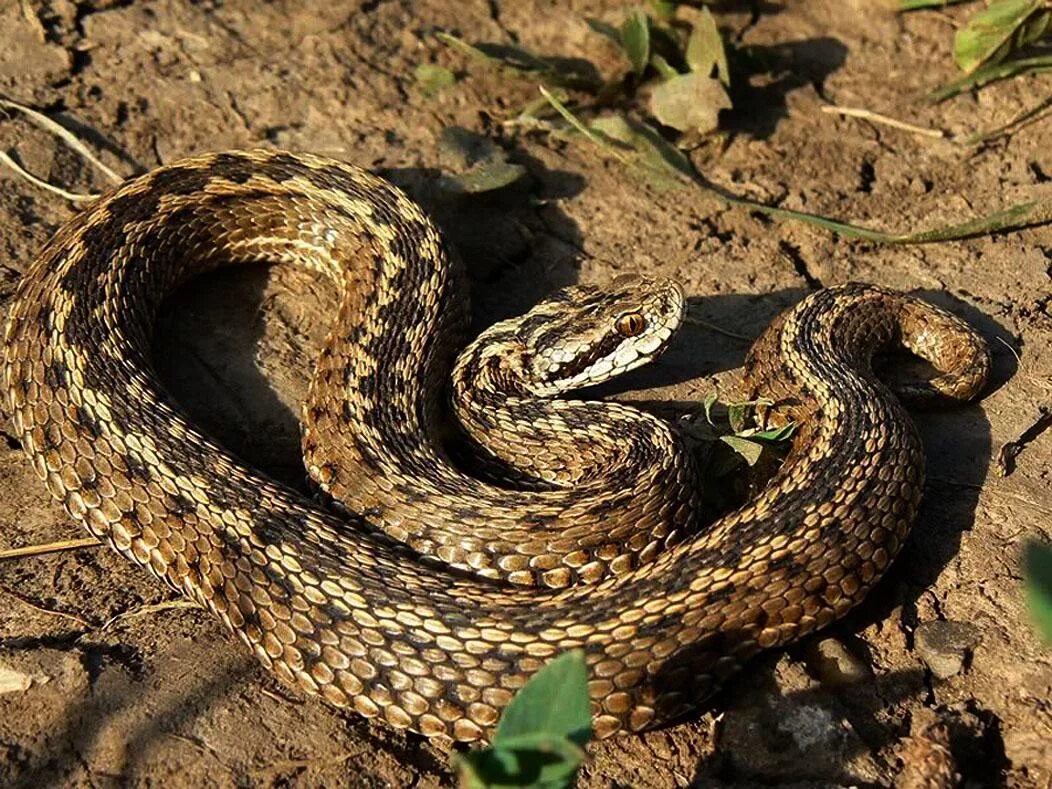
[690,102]
[750,451]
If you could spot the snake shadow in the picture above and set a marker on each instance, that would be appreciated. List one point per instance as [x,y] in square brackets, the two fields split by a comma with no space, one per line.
[836,735]
[134,713]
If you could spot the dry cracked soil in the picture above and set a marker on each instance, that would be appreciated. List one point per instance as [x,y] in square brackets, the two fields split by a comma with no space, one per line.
[938,670]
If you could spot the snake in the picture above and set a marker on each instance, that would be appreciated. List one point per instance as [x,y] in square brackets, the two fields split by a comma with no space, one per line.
[469,516]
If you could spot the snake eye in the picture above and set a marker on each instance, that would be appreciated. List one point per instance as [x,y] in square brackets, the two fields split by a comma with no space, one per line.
[631,324]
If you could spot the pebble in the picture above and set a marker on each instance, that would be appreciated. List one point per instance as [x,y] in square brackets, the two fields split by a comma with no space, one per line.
[945,645]
[834,664]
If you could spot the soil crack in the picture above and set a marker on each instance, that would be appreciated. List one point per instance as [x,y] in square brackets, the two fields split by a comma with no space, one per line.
[792,252]
[1010,451]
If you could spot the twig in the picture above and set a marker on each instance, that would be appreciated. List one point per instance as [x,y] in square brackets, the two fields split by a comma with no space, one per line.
[42,121]
[876,117]
[717,329]
[48,547]
[167,605]
[74,197]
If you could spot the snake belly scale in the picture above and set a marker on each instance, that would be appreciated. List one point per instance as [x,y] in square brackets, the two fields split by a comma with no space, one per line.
[349,598]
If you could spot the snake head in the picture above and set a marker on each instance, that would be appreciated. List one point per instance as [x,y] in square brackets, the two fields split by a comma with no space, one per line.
[584,334]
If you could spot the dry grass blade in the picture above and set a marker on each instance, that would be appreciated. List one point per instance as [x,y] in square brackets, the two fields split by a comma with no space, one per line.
[42,121]
[718,329]
[1035,212]
[73,197]
[876,117]
[1033,115]
[49,547]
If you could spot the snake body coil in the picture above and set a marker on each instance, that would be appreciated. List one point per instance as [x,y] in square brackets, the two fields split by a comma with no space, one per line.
[594,496]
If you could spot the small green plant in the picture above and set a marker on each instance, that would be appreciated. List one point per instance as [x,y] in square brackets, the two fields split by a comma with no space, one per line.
[747,439]
[1037,574]
[991,45]
[668,93]
[674,58]
[541,735]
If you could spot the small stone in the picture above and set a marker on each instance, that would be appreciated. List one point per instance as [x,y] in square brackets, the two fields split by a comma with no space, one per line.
[945,645]
[14,681]
[834,664]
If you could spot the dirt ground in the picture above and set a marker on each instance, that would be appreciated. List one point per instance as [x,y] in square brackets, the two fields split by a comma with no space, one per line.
[939,665]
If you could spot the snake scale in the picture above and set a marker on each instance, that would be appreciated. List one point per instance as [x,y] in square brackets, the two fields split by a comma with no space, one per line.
[407,588]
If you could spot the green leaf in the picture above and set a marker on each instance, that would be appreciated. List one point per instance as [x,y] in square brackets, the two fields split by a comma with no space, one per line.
[649,150]
[776,433]
[662,67]
[708,402]
[486,176]
[534,761]
[553,703]
[483,165]
[705,48]
[913,5]
[433,79]
[635,39]
[514,60]
[994,73]
[689,102]
[749,450]
[604,29]
[993,34]
[541,735]
[663,9]
[738,415]
[1037,573]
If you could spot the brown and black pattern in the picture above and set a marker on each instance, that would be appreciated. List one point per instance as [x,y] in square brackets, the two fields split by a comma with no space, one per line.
[355,607]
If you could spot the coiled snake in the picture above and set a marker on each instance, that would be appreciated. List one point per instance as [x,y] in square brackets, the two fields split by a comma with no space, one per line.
[402,593]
